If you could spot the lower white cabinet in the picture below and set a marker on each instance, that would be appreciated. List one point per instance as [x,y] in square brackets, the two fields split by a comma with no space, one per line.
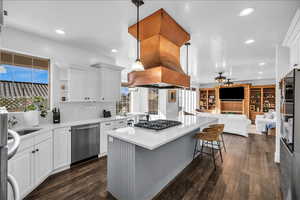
[21,167]
[61,147]
[31,166]
[104,128]
[42,161]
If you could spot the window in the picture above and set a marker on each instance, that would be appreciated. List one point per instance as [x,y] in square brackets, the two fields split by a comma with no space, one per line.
[22,78]
[153,101]
[123,106]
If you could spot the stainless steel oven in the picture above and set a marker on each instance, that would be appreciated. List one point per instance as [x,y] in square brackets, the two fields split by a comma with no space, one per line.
[85,142]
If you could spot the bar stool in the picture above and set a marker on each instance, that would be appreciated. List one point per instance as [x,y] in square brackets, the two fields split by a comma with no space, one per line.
[221,126]
[208,136]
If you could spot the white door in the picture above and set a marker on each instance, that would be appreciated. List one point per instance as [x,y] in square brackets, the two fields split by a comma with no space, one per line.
[77,85]
[21,167]
[61,147]
[43,160]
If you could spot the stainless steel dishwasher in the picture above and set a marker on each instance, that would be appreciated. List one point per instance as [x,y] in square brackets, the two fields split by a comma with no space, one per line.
[85,142]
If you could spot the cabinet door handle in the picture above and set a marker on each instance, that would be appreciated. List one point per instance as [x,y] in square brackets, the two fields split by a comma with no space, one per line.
[33,152]
[108,124]
[37,150]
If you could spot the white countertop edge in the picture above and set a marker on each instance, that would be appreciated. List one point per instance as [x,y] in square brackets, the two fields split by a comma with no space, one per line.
[49,127]
[153,147]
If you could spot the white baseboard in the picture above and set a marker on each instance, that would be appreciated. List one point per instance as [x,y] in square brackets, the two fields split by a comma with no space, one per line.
[60,169]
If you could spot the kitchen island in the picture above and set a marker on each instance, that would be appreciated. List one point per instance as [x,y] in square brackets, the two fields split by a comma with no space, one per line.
[141,162]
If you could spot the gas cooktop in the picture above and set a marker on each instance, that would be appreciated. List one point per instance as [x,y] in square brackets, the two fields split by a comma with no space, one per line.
[157,124]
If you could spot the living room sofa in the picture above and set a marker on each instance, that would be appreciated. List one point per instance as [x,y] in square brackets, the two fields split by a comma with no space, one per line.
[234,123]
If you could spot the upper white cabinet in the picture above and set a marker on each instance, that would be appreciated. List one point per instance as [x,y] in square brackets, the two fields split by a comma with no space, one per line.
[98,83]
[292,40]
[77,85]
[110,84]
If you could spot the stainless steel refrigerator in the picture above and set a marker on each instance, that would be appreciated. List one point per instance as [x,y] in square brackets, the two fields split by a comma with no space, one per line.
[290,136]
[6,153]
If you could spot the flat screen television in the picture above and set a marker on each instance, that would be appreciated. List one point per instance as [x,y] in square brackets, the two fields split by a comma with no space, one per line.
[232,93]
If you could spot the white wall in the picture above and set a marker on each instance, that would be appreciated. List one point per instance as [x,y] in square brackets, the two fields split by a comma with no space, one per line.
[60,55]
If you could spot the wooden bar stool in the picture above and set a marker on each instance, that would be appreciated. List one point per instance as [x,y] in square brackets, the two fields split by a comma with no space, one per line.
[221,126]
[208,136]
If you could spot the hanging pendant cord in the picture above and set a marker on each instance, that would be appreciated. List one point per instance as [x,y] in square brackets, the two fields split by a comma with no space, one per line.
[187,59]
[138,30]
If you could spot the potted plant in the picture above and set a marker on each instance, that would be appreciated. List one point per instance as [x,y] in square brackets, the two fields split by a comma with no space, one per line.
[38,107]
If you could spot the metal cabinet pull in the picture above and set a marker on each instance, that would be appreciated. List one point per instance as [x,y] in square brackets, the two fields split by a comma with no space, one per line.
[14,185]
[108,124]
[14,148]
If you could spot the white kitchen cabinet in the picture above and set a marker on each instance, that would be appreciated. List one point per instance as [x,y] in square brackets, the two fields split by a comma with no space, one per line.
[98,83]
[104,128]
[110,83]
[61,148]
[292,40]
[32,165]
[77,85]
[43,161]
[93,84]
[21,168]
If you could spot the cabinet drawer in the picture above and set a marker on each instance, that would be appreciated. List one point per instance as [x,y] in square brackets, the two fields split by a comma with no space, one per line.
[120,123]
[107,125]
[62,130]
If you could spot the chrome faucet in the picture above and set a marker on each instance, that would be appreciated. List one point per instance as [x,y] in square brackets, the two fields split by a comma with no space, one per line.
[12,121]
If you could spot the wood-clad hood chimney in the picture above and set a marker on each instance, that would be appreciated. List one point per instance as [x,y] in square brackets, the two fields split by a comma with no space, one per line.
[161,38]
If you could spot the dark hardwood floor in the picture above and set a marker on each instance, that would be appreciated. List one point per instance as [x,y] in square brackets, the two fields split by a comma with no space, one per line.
[248,172]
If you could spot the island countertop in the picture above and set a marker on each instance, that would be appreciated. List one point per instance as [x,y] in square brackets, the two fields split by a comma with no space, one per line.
[151,139]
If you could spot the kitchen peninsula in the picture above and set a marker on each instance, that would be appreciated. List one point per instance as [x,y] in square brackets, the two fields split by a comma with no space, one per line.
[142,162]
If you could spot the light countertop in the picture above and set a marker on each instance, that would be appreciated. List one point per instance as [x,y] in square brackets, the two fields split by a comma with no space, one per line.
[49,127]
[151,139]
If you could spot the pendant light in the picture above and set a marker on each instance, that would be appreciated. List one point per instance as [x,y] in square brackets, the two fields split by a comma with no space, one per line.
[187,57]
[220,79]
[138,65]
[228,83]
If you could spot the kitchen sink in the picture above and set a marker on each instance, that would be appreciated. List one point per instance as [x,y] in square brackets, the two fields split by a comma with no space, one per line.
[27,131]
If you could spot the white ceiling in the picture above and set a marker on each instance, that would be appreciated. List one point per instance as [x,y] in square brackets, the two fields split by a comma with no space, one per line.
[217,32]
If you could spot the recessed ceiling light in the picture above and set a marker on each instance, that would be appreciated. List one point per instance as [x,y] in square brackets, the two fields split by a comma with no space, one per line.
[260,72]
[114,50]
[262,64]
[246,12]
[250,41]
[60,32]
